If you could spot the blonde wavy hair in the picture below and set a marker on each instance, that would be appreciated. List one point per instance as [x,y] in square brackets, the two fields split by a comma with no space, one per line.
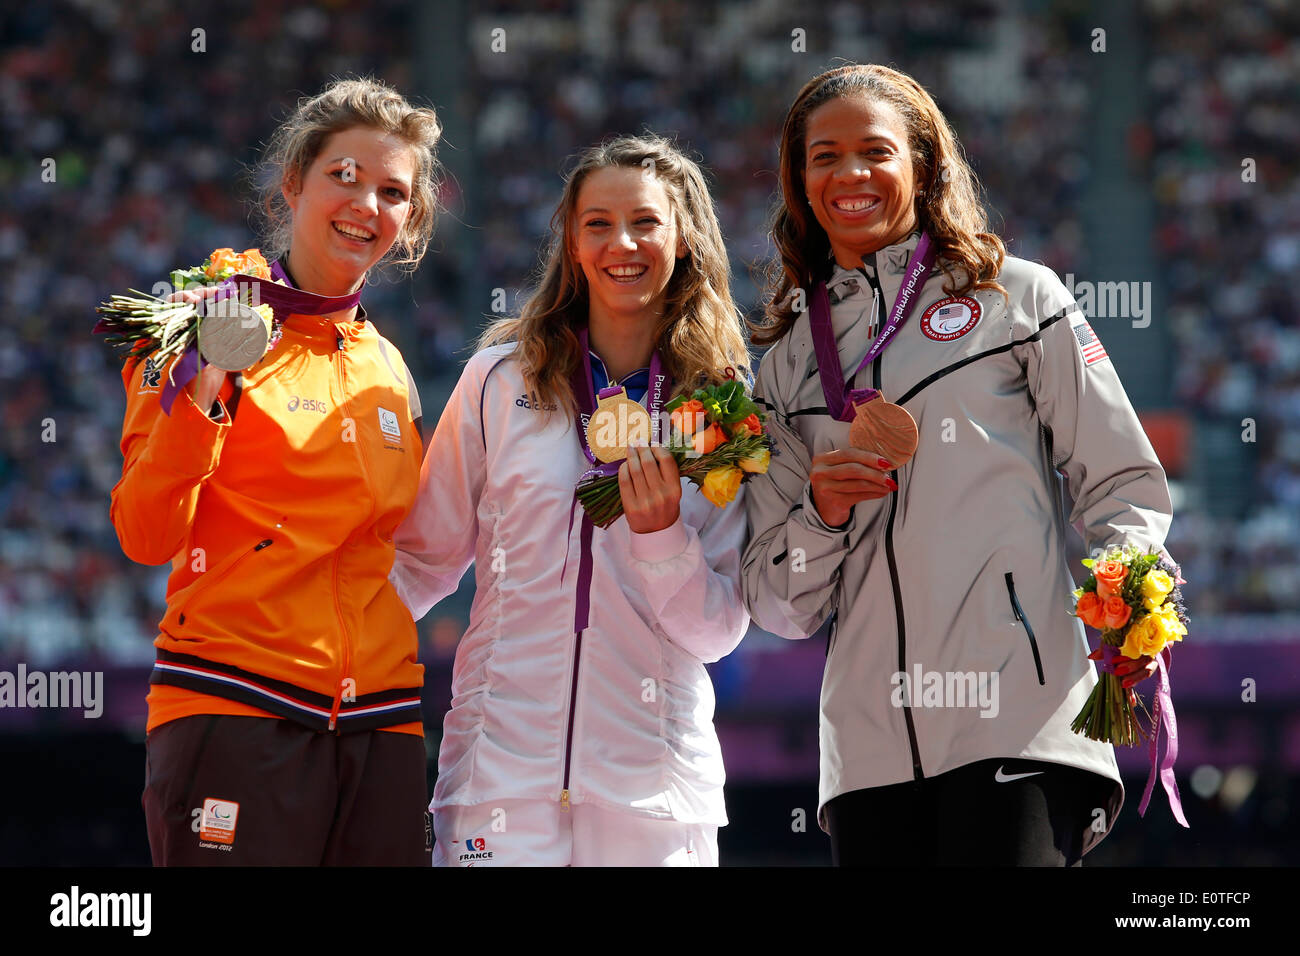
[347,104]
[948,208]
[699,334]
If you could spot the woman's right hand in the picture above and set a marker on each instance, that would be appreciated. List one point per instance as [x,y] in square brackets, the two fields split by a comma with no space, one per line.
[844,476]
[207,384]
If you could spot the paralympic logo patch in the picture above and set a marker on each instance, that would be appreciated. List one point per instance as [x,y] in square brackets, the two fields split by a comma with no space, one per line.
[950,318]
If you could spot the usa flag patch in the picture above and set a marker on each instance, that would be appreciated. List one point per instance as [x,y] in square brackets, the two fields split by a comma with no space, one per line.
[1089,344]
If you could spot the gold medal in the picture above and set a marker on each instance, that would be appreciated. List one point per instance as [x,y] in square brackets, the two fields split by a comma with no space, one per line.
[886,429]
[616,423]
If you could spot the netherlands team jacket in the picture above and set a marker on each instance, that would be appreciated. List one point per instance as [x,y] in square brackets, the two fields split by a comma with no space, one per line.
[278,521]
[962,572]
[622,718]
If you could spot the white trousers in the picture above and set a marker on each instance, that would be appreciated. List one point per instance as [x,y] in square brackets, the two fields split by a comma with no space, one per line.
[539,833]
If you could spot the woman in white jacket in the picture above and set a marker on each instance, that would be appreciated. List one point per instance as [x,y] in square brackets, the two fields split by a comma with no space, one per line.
[580,729]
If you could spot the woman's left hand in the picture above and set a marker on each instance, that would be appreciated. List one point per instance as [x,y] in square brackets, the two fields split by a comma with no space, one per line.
[651,488]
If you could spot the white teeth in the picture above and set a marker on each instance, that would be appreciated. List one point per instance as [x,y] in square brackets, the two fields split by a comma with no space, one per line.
[351,232]
[625,272]
[854,205]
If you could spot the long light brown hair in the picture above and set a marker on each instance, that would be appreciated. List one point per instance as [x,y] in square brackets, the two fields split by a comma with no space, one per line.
[699,334]
[948,207]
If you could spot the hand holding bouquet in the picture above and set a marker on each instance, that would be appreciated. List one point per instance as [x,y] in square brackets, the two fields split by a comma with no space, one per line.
[715,434]
[1132,597]
[164,328]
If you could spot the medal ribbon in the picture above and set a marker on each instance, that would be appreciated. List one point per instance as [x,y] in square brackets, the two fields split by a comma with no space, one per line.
[841,401]
[284,300]
[584,391]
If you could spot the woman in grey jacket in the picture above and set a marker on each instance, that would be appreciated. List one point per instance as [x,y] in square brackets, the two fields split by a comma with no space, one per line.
[953,667]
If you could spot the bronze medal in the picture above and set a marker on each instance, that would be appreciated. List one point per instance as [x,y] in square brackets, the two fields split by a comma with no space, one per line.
[886,429]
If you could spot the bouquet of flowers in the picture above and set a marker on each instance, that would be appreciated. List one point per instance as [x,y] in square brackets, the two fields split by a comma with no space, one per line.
[151,326]
[1132,597]
[716,436]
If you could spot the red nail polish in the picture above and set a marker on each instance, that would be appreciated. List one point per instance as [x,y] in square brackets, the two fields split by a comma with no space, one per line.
[884,464]
[893,485]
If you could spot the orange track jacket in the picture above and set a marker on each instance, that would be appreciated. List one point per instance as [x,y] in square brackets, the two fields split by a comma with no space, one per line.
[278,521]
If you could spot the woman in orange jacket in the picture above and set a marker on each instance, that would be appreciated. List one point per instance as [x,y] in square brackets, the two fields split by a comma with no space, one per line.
[284,713]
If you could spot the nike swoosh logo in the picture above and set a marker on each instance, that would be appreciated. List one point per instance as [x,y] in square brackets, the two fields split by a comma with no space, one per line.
[1001,777]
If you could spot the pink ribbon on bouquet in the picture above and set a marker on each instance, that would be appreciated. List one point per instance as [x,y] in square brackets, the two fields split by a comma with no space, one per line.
[1163,720]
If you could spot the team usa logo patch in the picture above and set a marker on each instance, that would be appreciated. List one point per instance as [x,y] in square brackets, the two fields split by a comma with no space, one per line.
[1089,344]
[950,318]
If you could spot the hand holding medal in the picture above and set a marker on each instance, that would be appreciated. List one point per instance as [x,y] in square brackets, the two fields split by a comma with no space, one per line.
[885,429]
[229,310]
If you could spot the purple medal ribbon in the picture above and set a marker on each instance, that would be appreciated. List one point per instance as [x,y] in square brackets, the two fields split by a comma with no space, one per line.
[284,300]
[840,401]
[1163,721]
[657,390]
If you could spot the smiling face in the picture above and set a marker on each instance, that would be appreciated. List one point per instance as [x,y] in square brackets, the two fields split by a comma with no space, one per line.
[625,240]
[858,176]
[349,208]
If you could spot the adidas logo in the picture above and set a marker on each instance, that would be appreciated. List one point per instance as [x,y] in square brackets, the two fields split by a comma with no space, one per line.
[523,402]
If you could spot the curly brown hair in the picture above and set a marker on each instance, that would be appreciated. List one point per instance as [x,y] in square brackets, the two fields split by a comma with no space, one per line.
[948,206]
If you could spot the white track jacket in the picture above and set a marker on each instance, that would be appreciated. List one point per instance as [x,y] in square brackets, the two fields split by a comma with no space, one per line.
[962,573]
[622,718]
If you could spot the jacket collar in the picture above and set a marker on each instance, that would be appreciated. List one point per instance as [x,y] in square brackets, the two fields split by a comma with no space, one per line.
[891,260]
[635,382]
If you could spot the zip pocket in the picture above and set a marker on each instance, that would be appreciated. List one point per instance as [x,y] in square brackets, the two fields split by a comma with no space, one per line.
[206,582]
[1020,615]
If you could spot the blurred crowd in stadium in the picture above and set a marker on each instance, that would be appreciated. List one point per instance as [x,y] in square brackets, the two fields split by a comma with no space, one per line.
[149,137]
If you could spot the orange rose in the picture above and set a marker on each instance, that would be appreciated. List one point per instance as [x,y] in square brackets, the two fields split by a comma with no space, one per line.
[1116,611]
[709,439]
[685,417]
[254,264]
[750,426]
[219,260]
[1110,575]
[1089,610]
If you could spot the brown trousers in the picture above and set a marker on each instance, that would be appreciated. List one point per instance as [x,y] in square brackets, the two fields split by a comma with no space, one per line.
[259,791]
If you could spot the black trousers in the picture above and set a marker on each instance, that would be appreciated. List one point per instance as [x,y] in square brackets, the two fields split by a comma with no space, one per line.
[972,816]
[258,791]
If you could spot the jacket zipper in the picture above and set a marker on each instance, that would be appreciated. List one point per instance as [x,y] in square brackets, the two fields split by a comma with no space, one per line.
[1020,614]
[334,573]
[585,531]
[917,771]
[264,543]
[573,706]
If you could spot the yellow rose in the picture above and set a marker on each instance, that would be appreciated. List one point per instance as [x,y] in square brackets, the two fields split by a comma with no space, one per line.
[1143,639]
[758,463]
[1167,621]
[721,484]
[1155,586]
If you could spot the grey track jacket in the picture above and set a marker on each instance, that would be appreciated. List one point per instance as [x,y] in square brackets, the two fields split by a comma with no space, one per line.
[959,578]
